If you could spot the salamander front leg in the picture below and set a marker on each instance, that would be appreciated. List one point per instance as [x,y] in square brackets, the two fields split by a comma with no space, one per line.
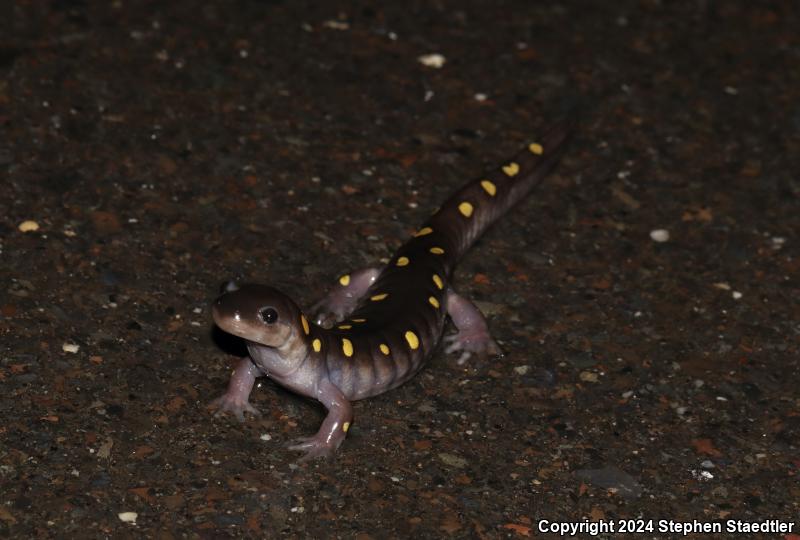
[334,427]
[473,334]
[344,297]
[236,399]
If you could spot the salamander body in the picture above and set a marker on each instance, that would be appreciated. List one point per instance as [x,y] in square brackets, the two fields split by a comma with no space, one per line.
[377,326]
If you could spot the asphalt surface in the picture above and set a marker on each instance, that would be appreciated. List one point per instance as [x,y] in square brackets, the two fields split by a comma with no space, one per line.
[646,296]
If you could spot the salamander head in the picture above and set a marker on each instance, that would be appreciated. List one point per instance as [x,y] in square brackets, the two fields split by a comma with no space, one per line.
[259,314]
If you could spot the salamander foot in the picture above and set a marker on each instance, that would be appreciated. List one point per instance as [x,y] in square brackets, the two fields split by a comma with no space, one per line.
[234,405]
[479,343]
[318,446]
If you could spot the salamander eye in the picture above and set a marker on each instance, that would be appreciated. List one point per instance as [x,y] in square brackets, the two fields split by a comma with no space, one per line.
[268,315]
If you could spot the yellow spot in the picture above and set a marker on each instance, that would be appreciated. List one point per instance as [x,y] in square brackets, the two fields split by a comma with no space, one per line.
[437,250]
[317,344]
[304,322]
[434,302]
[423,231]
[536,148]
[345,280]
[384,348]
[347,347]
[359,320]
[345,426]
[512,169]
[438,281]
[413,340]
[465,208]
[402,261]
[489,187]
[344,327]
[378,297]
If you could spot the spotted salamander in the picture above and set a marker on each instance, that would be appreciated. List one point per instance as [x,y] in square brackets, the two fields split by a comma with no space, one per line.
[377,326]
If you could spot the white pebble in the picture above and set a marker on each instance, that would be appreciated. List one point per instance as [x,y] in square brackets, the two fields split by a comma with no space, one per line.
[265,437]
[70,348]
[736,295]
[778,241]
[128,517]
[433,60]
[659,235]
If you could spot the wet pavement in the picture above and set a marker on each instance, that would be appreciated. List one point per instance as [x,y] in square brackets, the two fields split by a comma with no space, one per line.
[646,296]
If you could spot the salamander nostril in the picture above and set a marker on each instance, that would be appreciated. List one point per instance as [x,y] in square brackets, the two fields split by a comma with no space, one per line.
[268,315]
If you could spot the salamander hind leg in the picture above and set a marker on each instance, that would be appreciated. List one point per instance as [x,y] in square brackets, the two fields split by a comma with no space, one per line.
[344,297]
[334,428]
[472,336]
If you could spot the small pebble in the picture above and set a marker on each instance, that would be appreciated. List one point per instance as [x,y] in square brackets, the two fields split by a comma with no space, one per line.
[70,348]
[453,460]
[702,475]
[265,437]
[336,25]
[611,477]
[28,226]
[434,60]
[736,295]
[588,376]
[128,517]
[521,370]
[659,235]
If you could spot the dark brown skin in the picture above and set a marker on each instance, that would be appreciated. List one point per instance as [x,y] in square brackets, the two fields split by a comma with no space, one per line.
[374,331]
